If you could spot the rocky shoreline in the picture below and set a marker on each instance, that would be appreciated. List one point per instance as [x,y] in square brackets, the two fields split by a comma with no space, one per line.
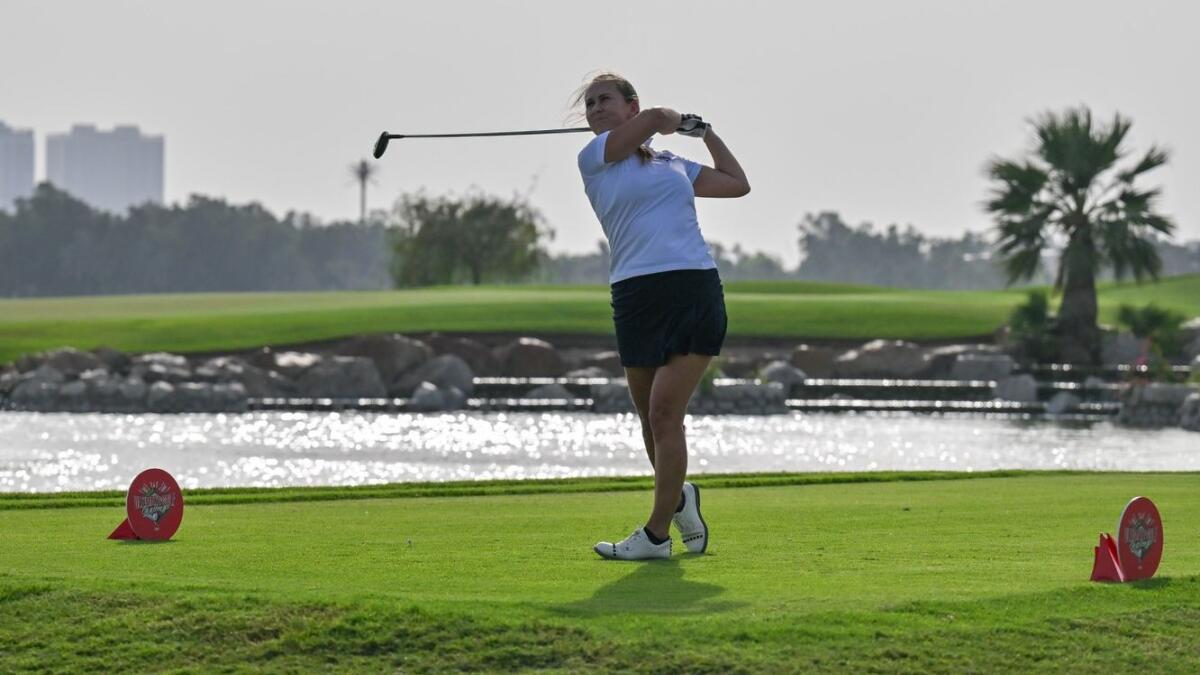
[440,372]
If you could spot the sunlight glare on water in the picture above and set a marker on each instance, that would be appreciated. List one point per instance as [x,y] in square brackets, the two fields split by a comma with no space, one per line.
[58,452]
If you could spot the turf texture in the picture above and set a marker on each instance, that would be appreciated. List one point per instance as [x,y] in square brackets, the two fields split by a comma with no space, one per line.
[799,310]
[862,573]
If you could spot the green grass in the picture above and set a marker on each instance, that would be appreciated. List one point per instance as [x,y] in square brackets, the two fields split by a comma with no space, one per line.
[215,322]
[942,574]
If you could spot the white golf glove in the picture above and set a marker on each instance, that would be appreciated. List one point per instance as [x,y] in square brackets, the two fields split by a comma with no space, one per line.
[692,125]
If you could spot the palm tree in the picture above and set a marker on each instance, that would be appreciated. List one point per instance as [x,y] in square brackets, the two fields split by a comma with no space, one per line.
[364,172]
[1070,195]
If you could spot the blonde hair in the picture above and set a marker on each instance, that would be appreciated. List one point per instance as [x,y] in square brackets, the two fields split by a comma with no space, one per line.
[623,87]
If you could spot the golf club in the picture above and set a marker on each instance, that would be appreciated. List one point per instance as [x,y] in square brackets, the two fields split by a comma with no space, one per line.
[382,144]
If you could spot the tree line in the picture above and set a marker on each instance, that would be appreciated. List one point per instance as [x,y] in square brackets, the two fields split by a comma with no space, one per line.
[55,244]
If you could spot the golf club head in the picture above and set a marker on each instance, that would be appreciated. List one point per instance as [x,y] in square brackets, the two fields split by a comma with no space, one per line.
[381,145]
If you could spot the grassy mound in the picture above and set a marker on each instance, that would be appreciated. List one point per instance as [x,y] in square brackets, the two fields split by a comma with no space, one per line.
[213,322]
[937,574]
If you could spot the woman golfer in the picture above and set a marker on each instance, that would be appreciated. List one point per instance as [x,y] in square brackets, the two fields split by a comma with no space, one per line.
[668,304]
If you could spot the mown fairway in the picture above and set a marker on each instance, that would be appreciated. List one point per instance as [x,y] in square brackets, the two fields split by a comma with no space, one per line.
[212,322]
[945,574]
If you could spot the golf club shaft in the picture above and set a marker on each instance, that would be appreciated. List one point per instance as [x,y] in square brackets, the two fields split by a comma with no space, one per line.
[494,133]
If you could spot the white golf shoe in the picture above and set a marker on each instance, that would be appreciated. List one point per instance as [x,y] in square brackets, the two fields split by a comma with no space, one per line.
[636,546]
[692,527]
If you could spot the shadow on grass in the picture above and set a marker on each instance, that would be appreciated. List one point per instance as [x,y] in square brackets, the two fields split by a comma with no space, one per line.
[653,587]
[1152,584]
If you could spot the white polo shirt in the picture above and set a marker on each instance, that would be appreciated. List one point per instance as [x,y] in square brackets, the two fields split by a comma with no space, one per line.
[647,211]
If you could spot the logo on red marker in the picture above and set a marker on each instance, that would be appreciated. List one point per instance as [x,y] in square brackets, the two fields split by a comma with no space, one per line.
[153,507]
[1140,539]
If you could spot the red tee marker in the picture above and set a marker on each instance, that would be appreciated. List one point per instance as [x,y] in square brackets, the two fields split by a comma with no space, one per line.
[1137,550]
[1139,539]
[1107,566]
[153,507]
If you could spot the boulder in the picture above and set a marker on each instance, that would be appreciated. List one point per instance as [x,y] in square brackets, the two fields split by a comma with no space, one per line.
[1189,413]
[132,393]
[608,360]
[157,372]
[37,394]
[293,364]
[196,397]
[259,383]
[814,361]
[8,380]
[612,397]
[71,362]
[1061,403]
[554,391]
[1189,332]
[164,358]
[443,371]
[262,358]
[157,396]
[115,361]
[736,366]
[882,358]
[1021,388]
[426,398]
[1167,394]
[942,359]
[71,397]
[341,377]
[784,373]
[161,367]
[589,373]
[266,384]
[27,362]
[102,391]
[393,355]
[1191,351]
[1154,405]
[454,398]
[530,357]
[1120,348]
[476,354]
[1002,338]
[982,367]
[225,367]
[1097,389]
[747,399]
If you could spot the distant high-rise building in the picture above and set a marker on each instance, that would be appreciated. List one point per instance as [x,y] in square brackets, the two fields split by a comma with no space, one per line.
[110,170]
[16,165]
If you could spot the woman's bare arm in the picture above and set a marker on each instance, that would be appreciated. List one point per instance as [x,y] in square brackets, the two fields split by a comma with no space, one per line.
[726,177]
[624,140]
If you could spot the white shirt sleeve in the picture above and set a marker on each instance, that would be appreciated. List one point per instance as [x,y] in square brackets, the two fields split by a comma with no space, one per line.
[591,158]
[692,169]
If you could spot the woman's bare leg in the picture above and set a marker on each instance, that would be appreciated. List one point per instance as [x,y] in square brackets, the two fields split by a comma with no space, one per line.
[673,387]
[640,381]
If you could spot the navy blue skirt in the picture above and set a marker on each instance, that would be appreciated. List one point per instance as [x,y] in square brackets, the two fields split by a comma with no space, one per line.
[678,312]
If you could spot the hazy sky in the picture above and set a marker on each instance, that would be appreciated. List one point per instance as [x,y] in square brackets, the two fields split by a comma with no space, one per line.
[883,110]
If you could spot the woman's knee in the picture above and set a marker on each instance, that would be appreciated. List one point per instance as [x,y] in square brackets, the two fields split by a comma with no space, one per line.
[665,419]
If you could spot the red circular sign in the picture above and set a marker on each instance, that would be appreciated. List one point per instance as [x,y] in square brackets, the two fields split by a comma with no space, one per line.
[1139,539]
[154,505]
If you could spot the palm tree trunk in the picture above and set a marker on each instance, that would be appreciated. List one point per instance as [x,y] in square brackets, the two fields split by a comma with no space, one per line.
[1079,336]
[362,203]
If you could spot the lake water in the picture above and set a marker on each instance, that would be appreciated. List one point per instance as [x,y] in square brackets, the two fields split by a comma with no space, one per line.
[57,452]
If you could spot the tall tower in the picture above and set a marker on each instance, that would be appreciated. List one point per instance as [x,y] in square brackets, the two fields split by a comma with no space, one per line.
[16,165]
[111,170]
